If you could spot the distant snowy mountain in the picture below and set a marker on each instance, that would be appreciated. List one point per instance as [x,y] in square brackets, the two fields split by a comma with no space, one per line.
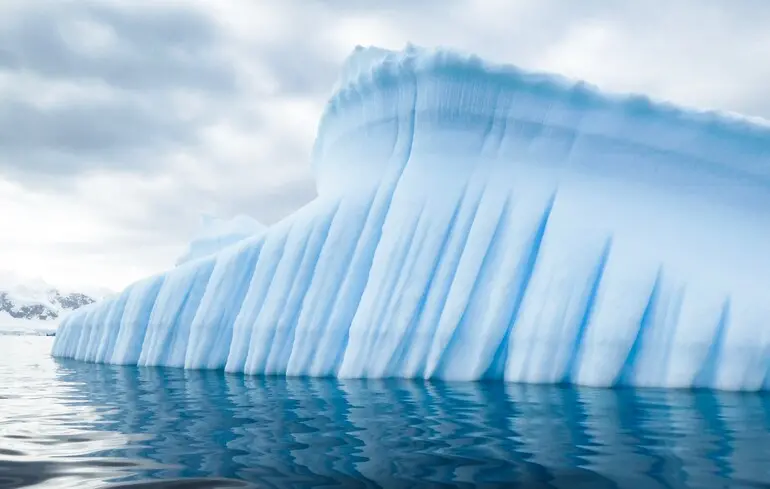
[25,302]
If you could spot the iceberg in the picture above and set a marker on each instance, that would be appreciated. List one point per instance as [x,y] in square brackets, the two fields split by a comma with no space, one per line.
[217,234]
[480,222]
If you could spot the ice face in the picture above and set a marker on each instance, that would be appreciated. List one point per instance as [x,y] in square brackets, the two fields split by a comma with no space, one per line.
[478,221]
[217,234]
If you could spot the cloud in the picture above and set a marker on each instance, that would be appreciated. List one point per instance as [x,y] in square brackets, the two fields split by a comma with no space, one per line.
[122,121]
[94,85]
[129,48]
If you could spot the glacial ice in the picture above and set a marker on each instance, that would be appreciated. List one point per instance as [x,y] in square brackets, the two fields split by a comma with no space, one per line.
[480,222]
[217,234]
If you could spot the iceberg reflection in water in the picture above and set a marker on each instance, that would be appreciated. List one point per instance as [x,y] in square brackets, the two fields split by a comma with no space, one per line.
[279,432]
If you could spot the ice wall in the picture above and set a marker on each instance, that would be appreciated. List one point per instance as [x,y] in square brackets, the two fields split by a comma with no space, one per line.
[477,221]
[216,234]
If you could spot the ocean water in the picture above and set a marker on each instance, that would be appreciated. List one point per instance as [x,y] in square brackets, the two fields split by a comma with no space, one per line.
[72,424]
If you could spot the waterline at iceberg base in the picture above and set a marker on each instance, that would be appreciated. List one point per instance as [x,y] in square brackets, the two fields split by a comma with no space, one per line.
[480,222]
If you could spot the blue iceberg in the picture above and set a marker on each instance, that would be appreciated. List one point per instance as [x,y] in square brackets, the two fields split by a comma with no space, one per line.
[481,222]
[217,234]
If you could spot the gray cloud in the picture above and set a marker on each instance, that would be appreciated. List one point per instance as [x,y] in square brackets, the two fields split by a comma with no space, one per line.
[145,49]
[121,134]
[307,71]
[88,129]
[139,59]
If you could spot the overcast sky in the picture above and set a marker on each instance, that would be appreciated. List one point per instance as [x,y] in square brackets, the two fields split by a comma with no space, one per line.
[121,122]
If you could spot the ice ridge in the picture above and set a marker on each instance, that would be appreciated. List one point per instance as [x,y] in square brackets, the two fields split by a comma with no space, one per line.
[476,221]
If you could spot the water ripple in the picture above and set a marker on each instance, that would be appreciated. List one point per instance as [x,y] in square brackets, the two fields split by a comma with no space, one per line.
[72,424]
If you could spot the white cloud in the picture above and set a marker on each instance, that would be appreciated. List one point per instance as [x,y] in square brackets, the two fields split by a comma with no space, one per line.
[152,113]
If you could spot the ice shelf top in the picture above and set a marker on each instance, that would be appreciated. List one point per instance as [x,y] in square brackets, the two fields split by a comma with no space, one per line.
[433,89]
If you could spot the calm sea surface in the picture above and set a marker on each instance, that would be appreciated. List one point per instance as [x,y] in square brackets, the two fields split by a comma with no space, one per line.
[71,424]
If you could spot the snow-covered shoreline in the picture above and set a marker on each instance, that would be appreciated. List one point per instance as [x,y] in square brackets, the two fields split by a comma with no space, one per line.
[20,327]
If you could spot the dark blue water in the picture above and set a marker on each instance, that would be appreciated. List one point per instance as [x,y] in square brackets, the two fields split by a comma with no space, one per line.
[70,424]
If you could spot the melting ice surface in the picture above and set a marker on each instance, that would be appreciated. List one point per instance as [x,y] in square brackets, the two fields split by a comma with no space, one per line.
[477,221]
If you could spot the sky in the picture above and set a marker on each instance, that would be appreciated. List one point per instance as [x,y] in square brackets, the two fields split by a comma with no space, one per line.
[122,122]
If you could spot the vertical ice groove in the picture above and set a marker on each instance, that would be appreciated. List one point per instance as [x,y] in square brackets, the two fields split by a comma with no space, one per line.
[626,373]
[85,335]
[275,333]
[699,324]
[111,327]
[88,336]
[385,336]
[477,345]
[76,328]
[766,382]
[211,329]
[334,331]
[446,346]
[367,320]
[72,332]
[542,342]
[63,333]
[570,371]
[254,301]
[653,359]
[341,253]
[473,251]
[745,351]
[264,328]
[102,327]
[407,324]
[59,339]
[70,337]
[133,324]
[409,295]
[224,334]
[157,331]
[457,231]
[520,338]
[172,297]
[621,300]
[283,342]
[707,371]
[85,330]
[178,338]
[764,359]
[504,317]
[99,327]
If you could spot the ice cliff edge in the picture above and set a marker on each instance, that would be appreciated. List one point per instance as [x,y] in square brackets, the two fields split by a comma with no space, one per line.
[478,221]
